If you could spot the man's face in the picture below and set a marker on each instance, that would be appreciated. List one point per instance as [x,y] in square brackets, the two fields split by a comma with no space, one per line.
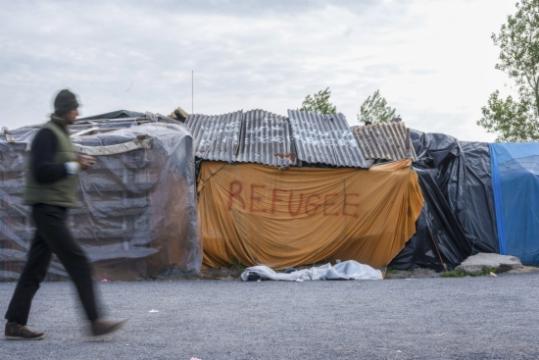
[71,116]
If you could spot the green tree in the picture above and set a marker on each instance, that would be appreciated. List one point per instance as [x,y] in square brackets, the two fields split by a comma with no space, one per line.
[375,110]
[319,102]
[517,119]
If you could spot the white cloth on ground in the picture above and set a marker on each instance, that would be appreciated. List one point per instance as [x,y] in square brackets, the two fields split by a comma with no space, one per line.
[346,270]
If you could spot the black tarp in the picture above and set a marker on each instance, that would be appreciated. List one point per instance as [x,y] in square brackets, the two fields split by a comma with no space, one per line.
[439,238]
[474,205]
[458,217]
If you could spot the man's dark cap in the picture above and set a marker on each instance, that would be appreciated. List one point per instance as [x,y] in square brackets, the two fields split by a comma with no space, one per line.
[64,102]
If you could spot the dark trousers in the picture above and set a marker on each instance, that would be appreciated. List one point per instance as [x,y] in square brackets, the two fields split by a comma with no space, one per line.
[52,236]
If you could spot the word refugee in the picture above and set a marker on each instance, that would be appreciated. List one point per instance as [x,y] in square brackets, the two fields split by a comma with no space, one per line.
[257,198]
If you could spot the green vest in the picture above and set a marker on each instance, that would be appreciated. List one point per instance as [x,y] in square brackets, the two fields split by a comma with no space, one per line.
[62,192]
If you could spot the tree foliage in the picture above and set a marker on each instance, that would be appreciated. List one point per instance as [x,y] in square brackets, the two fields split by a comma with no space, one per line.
[376,110]
[319,102]
[517,119]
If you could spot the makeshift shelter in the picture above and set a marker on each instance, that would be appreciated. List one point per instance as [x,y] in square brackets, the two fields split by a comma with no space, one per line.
[279,190]
[310,199]
[515,178]
[138,213]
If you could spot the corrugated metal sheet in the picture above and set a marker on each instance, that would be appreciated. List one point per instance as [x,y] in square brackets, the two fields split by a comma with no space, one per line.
[216,137]
[266,139]
[385,141]
[325,139]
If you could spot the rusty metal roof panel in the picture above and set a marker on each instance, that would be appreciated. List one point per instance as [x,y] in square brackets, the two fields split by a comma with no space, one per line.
[266,139]
[385,141]
[325,139]
[216,137]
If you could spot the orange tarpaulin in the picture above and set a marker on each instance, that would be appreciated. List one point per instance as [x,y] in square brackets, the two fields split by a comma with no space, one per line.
[253,214]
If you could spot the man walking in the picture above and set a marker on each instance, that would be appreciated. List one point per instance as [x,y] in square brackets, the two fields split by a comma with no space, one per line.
[51,189]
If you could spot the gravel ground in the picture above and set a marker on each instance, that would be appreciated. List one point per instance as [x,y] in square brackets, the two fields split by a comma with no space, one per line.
[427,318]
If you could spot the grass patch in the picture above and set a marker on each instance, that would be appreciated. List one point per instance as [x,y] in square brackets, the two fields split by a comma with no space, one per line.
[391,271]
[486,270]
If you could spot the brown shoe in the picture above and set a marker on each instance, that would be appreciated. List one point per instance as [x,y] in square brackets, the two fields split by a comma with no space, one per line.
[103,327]
[16,331]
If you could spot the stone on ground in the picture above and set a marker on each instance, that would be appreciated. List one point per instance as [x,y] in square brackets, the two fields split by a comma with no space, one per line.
[478,262]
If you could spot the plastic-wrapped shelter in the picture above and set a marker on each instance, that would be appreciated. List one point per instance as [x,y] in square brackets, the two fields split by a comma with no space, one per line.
[137,217]
[458,218]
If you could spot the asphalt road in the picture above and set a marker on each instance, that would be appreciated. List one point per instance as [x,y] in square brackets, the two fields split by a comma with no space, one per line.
[462,318]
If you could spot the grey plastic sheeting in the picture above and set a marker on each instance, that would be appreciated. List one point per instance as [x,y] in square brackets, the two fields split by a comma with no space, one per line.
[325,139]
[118,114]
[138,214]
[265,138]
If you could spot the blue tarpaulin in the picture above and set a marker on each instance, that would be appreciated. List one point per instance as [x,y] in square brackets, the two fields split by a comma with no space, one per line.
[515,181]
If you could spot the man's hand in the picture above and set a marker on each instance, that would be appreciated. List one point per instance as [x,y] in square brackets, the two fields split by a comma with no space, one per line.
[85,161]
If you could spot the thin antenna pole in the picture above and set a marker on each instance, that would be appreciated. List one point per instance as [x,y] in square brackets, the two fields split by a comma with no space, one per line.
[192,91]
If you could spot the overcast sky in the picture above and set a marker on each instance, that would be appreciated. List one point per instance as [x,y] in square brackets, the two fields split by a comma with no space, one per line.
[432,59]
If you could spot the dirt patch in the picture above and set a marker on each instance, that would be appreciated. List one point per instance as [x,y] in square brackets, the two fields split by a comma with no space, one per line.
[223,273]
[417,273]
